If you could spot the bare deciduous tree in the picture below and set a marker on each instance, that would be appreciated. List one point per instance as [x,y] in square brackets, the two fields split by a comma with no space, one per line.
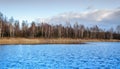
[11,28]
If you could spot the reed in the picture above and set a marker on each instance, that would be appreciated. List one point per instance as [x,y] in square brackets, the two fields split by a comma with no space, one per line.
[50,41]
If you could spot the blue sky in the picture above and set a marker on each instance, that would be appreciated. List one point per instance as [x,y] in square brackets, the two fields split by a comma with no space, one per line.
[33,9]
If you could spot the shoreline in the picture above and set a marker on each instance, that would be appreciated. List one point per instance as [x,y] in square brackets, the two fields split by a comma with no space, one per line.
[10,41]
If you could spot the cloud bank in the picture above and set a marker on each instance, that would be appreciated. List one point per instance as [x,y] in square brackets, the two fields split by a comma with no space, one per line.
[103,18]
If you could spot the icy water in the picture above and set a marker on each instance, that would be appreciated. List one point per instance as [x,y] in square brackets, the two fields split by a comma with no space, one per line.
[93,55]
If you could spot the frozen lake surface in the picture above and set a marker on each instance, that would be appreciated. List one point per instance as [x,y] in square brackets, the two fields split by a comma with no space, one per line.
[93,55]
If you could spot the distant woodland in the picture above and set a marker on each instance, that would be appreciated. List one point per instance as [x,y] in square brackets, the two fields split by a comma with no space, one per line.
[12,28]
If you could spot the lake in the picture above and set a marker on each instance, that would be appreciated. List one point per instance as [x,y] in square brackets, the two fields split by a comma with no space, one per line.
[93,55]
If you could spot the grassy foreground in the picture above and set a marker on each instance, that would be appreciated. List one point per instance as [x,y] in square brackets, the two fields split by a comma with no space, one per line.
[50,41]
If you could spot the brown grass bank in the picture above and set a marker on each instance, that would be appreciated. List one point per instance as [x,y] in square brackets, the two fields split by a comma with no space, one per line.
[50,41]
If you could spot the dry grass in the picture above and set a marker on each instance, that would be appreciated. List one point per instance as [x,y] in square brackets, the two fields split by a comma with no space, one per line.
[49,41]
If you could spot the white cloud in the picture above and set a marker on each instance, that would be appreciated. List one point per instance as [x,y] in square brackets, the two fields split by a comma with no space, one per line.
[95,15]
[99,17]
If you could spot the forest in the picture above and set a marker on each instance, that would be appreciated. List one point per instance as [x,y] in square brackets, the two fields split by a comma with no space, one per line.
[12,28]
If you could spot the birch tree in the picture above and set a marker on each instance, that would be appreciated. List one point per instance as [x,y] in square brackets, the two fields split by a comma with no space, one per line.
[1,19]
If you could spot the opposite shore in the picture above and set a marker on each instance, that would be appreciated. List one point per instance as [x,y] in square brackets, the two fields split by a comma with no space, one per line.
[50,41]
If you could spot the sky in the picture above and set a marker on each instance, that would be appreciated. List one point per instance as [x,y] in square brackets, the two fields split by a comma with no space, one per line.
[32,10]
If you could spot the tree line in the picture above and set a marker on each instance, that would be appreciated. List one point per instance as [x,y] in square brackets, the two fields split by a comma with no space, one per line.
[12,28]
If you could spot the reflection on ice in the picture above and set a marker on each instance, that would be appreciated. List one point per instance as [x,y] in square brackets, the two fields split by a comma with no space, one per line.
[95,55]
